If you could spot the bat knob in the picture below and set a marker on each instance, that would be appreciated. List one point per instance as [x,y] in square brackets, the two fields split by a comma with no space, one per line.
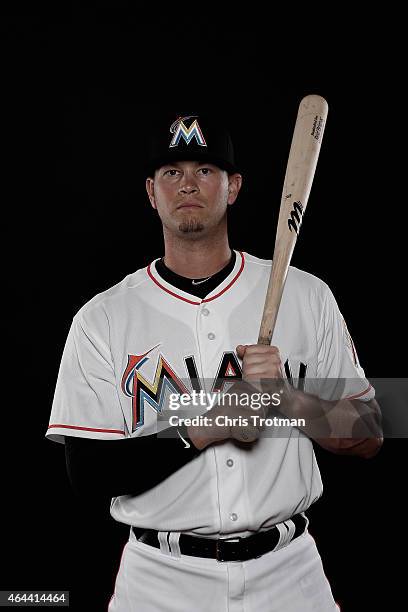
[247,434]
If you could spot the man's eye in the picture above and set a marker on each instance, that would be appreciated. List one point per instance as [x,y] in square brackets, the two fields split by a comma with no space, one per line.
[171,172]
[205,170]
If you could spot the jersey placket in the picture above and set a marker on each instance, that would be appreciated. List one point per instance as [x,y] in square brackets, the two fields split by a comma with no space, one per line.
[231,486]
[232,493]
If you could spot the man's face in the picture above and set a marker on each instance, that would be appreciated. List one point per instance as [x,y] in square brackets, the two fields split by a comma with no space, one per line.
[192,197]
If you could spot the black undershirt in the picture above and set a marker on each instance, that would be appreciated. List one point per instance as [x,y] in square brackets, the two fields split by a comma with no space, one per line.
[204,286]
[101,469]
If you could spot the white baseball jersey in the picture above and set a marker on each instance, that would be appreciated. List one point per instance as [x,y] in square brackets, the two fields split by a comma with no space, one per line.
[129,343]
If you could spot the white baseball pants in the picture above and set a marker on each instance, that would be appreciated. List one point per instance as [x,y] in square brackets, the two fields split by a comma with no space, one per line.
[290,579]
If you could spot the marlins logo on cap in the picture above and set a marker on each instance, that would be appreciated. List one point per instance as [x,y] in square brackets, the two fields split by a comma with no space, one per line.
[181,131]
[194,136]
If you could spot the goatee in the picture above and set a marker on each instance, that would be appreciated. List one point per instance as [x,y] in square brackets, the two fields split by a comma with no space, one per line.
[192,225]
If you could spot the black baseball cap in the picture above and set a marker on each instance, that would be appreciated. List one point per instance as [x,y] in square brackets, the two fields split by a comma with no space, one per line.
[190,136]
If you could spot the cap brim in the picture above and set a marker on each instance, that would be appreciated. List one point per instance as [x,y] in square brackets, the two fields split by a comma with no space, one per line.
[174,156]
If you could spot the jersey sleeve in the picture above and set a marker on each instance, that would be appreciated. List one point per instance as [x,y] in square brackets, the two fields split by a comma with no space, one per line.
[86,401]
[339,373]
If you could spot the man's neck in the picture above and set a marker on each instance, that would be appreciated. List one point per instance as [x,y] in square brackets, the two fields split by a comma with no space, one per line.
[196,258]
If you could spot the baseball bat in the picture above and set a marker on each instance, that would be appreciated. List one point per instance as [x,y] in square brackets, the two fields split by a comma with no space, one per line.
[300,170]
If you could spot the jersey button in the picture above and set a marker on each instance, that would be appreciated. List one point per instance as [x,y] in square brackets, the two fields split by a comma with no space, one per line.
[205,312]
[233,516]
[211,336]
[230,462]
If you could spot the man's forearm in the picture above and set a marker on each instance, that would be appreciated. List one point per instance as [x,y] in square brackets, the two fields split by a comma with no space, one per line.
[344,426]
[123,467]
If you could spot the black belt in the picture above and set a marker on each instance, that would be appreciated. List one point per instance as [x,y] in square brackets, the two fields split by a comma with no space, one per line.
[225,550]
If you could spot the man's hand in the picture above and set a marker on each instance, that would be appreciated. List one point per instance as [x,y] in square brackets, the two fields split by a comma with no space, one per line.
[204,435]
[258,362]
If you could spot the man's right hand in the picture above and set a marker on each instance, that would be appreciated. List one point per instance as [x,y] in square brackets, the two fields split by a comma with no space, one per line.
[204,435]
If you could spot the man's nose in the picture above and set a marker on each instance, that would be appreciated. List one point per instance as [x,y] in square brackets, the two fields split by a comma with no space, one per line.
[188,184]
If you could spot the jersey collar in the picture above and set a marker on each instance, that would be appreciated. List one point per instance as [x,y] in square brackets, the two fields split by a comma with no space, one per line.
[188,297]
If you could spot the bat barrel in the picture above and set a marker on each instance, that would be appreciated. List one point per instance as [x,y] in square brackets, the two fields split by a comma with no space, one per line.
[300,170]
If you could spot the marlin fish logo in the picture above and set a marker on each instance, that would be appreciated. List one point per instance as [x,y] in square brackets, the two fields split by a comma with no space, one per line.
[141,390]
[181,131]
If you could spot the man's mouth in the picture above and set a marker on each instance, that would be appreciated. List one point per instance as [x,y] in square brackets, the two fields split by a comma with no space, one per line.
[189,205]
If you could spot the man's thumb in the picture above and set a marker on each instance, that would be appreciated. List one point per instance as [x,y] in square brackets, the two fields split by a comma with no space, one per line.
[241,348]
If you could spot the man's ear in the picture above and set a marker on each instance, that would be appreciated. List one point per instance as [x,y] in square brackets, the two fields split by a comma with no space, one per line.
[234,185]
[150,191]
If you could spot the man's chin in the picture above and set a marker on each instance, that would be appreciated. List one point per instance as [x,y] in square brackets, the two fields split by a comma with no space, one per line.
[191,226]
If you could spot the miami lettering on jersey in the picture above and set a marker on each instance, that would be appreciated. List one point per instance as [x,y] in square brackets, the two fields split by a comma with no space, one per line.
[181,131]
[141,390]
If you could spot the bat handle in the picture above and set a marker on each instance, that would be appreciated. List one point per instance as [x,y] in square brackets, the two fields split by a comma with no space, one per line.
[270,314]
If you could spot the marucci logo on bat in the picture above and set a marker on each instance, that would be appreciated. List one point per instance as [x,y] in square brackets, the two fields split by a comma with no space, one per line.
[295,220]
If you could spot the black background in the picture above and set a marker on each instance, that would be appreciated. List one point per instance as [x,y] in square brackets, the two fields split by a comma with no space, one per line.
[80,90]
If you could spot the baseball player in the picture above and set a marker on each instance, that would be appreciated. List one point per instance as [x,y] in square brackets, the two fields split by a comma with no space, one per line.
[216,520]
